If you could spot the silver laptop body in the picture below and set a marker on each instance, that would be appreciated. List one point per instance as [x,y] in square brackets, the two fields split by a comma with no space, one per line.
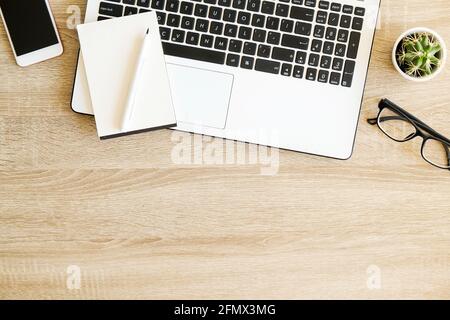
[287,74]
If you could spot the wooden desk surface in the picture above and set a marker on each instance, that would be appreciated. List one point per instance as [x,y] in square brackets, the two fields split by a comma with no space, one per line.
[139,226]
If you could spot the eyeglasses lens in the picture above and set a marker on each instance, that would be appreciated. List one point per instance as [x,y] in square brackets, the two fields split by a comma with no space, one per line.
[395,126]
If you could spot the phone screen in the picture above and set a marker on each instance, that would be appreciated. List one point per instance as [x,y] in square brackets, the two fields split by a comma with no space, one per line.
[29,25]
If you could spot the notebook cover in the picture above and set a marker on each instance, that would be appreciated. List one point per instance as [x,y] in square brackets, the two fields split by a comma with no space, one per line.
[110,50]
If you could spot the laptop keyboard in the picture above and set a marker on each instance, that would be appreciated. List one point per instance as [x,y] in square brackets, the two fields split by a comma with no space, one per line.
[304,39]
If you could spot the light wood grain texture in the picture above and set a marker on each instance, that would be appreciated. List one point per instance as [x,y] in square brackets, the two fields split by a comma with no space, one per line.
[140,226]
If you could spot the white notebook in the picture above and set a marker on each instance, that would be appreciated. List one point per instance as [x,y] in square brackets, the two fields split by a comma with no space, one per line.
[110,50]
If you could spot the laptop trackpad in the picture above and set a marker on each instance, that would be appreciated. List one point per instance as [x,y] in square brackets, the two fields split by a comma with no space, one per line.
[200,96]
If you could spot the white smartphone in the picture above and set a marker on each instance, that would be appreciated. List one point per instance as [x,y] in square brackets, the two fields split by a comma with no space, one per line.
[31,30]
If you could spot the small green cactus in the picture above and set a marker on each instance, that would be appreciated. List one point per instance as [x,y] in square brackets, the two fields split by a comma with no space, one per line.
[419,54]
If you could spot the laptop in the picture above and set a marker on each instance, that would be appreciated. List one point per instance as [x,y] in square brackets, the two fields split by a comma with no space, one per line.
[288,74]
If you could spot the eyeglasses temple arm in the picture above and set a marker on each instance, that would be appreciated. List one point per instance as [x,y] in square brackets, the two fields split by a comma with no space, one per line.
[431,131]
[372,121]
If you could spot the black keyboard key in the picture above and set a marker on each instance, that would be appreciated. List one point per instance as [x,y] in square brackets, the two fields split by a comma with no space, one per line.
[267,66]
[216,27]
[200,10]
[143,3]
[345,21]
[347,76]
[316,45]
[101,18]
[328,47]
[210,1]
[247,62]
[230,30]
[132,2]
[296,42]
[224,3]
[339,51]
[321,17]
[158,4]
[287,25]
[313,60]
[286,69]
[342,35]
[273,38]
[164,33]
[297,2]
[259,35]
[298,72]
[319,31]
[268,7]
[272,23]
[311,74]
[144,11]
[232,60]
[303,28]
[235,45]
[325,5]
[336,7]
[129,11]
[353,45]
[263,51]
[310,3]
[187,7]
[245,33]
[172,5]
[347,9]
[173,20]
[357,23]
[206,40]
[254,5]
[325,62]
[249,48]
[282,10]
[300,57]
[221,43]
[331,33]
[335,78]
[202,25]
[301,13]
[229,15]
[323,76]
[215,13]
[338,63]
[178,36]
[258,20]
[243,18]
[333,19]
[161,17]
[110,9]
[192,38]
[283,54]
[360,12]
[239,4]
[187,23]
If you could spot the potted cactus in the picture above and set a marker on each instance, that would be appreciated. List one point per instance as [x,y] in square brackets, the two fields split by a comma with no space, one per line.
[419,54]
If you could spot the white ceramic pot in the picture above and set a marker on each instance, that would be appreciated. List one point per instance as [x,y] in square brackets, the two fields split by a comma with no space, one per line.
[443,54]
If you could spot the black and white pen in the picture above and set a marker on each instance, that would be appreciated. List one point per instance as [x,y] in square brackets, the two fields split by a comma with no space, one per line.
[129,107]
